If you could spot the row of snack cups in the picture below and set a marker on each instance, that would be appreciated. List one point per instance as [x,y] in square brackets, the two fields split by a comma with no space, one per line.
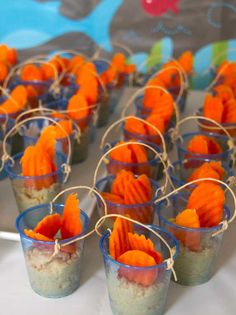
[54,266]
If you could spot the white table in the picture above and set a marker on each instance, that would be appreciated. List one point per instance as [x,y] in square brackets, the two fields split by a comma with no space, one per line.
[217,297]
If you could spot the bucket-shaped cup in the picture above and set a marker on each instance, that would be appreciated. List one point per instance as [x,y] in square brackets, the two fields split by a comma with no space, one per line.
[207,126]
[153,138]
[199,247]
[51,275]
[152,168]
[128,293]
[87,130]
[31,131]
[143,213]
[34,190]
[183,152]
[181,170]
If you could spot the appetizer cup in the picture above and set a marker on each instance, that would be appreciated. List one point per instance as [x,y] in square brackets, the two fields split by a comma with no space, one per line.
[152,168]
[143,213]
[207,126]
[34,190]
[126,295]
[31,131]
[87,130]
[181,170]
[199,247]
[52,273]
[183,153]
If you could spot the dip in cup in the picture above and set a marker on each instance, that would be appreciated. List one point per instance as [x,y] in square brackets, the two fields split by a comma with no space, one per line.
[52,274]
[199,245]
[139,290]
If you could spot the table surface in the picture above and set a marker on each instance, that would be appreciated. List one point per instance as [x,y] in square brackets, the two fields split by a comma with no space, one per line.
[217,297]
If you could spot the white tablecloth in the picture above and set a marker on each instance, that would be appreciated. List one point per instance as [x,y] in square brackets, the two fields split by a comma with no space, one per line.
[217,297]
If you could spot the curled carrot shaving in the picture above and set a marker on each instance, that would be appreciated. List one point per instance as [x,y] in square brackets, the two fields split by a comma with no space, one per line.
[78,102]
[30,72]
[17,102]
[186,61]
[37,236]
[209,170]
[49,225]
[201,144]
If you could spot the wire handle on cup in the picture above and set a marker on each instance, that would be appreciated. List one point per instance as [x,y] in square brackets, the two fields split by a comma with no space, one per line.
[8,95]
[36,61]
[217,77]
[164,154]
[157,154]
[90,189]
[224,223]
[5,157]
[42,111]
[169,261]
[155,57]
[6,116]
[183,81]
[110,64]
[141,90]
[175,133]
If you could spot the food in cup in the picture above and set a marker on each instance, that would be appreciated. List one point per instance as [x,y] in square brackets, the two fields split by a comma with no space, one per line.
[55,274]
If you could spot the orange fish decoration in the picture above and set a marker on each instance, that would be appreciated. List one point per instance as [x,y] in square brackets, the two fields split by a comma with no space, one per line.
[16,103]
[134,250]
[68,225]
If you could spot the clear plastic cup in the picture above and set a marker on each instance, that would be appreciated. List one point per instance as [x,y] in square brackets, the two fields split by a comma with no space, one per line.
[143,213]
[51,277]
[103,108]
[180,171]
[153,139]
[129,297]
[199,249]
[183,153]
[16,141]
[34,190]
[31,131]
[35,89]
[208,126]
[80,150]
[152,168]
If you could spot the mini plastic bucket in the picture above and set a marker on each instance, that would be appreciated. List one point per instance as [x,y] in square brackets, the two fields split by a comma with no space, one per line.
[133,297]
[199,250]
[34,190]
[152,168]
[51,277]
[180,171]
[31,131]
[80,150]
[183,153]
[143,213]
[207,126]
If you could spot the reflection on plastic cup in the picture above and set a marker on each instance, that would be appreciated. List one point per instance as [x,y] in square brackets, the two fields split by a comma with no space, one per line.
[51,277]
